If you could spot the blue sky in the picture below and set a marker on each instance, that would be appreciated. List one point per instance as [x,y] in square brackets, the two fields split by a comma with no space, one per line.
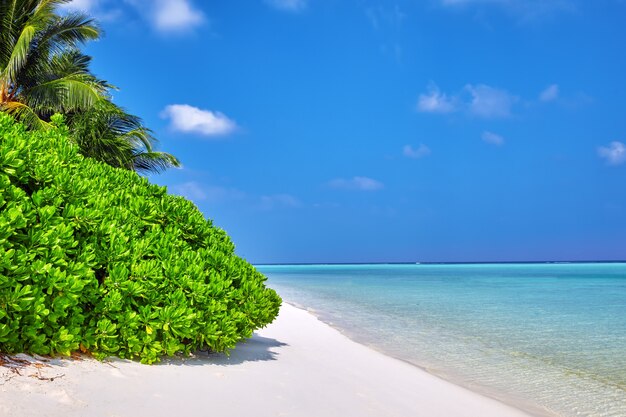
[358,130]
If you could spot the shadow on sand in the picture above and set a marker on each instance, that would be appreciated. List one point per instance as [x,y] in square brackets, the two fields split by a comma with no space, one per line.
[255,349]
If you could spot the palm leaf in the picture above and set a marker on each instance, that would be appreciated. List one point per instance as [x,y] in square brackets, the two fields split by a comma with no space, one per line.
[7,10]
[24,114]
[67,31]
[65,94]
[108,133]
[153,162]
[49,5]
[18,57]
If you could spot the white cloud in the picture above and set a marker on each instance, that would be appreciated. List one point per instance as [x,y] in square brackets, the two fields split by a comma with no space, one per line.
[269,202]
[169,16]
[483,101]
[435,102]
[489,102]
[551,93]
[165,15]
[188,119]
[356,183]
[211,193]
[615,153]
[81,5]
[420,152]
[176,15]
[288,5]
[103,10]
[493,138]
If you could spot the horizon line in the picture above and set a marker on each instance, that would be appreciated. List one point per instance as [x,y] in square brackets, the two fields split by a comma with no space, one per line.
[441,263]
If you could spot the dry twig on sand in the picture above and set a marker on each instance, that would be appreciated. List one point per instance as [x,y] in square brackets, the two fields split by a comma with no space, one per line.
[14,365]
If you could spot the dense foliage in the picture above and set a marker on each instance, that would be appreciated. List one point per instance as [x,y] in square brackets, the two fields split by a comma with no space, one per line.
[98,259]
[43,72]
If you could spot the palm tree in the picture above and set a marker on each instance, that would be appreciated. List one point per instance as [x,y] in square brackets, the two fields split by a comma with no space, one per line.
[42,72]
[107,133]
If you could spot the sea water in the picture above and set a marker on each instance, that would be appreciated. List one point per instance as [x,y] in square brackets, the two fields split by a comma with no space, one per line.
[548,338]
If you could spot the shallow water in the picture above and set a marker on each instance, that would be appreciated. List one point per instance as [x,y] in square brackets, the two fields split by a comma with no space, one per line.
[550,338]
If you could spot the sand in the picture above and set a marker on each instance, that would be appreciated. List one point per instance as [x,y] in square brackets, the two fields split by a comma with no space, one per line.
[297,366]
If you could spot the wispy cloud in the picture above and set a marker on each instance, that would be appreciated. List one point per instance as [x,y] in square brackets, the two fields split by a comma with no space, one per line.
[189,119]
[614,154]
[466,2]
[196,192]
[387,22]
[326,205]
[476,100]
[356,183]
[550,93]
[274,201]
[416,153]
[104,10]
[454,3]
[82,5]
[493,138]
[434,101]
[170,16]
[218,195]
[176,15]
[288,5]
[526,9]
[489,102]
[380,16]
[190,190]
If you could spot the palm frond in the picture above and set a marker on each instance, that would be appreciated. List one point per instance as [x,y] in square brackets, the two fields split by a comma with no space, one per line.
[19,55]
[24,114]
[70,61]
[55,49]
[140,137]
[50,4]
[153,162]
[108,133]
[67,31]
[7,38]
[65,95]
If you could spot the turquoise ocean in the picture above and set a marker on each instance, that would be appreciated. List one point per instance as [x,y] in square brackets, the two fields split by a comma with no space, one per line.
[546,338]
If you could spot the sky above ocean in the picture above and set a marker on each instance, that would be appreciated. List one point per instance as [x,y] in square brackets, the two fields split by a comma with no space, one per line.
[355,130]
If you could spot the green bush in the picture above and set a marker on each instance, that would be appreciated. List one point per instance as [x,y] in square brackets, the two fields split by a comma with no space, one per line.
[97,259]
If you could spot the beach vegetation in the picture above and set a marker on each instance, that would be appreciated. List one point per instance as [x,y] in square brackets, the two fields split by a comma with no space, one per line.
[97,259]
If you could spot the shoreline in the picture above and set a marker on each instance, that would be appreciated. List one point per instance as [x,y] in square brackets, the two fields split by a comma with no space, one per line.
[529,408]
[297,366]
[449,377]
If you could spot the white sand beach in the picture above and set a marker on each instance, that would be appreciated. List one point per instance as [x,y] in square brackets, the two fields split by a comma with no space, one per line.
[297,366]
